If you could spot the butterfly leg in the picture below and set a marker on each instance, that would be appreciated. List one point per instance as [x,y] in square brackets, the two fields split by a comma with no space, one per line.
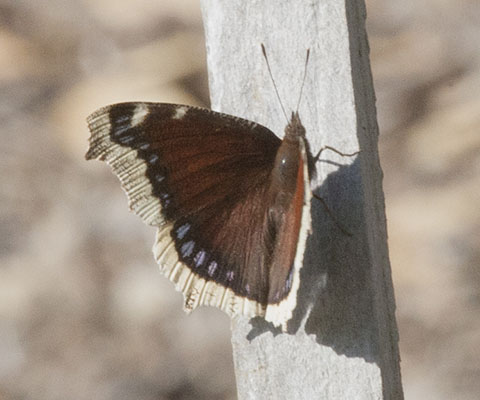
[316,158]
[330,213]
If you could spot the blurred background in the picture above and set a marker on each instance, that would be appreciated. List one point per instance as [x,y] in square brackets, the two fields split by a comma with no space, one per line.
[84,313]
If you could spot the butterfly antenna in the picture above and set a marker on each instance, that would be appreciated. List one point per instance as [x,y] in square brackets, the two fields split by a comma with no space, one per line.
[304,76]
[273,81]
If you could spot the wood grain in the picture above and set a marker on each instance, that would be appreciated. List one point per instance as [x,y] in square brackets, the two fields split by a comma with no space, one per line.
[343,340]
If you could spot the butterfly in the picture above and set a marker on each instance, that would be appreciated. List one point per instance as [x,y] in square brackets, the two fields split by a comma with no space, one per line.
[229,199]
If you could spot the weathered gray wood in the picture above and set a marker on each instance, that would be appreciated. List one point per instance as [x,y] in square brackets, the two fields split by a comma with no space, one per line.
[342,340]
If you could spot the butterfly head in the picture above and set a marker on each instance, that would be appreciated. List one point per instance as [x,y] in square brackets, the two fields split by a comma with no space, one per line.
[295,128]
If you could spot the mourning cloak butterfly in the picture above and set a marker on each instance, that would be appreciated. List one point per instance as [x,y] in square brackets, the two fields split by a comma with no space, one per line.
[231,201]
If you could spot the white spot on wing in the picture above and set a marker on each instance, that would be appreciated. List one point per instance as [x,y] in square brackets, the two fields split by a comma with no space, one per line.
[182,230]
[153,158]
[199,258]
[107,128]
[187,248]
[139,114]
[196,290]
[180,112]
[126,139]
[212,267]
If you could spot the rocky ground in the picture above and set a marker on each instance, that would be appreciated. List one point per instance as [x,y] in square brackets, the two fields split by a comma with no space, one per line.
[84,313]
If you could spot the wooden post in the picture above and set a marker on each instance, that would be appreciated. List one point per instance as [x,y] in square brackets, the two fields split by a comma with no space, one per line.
[342,341]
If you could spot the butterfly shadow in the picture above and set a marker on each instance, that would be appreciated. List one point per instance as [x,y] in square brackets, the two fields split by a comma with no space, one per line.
[334,300]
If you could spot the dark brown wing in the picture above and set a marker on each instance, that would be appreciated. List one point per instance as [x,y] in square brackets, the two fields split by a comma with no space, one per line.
[201,177]
[291,221]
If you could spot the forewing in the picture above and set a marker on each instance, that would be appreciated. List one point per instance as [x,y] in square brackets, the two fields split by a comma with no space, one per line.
[201,178]
[292,226]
